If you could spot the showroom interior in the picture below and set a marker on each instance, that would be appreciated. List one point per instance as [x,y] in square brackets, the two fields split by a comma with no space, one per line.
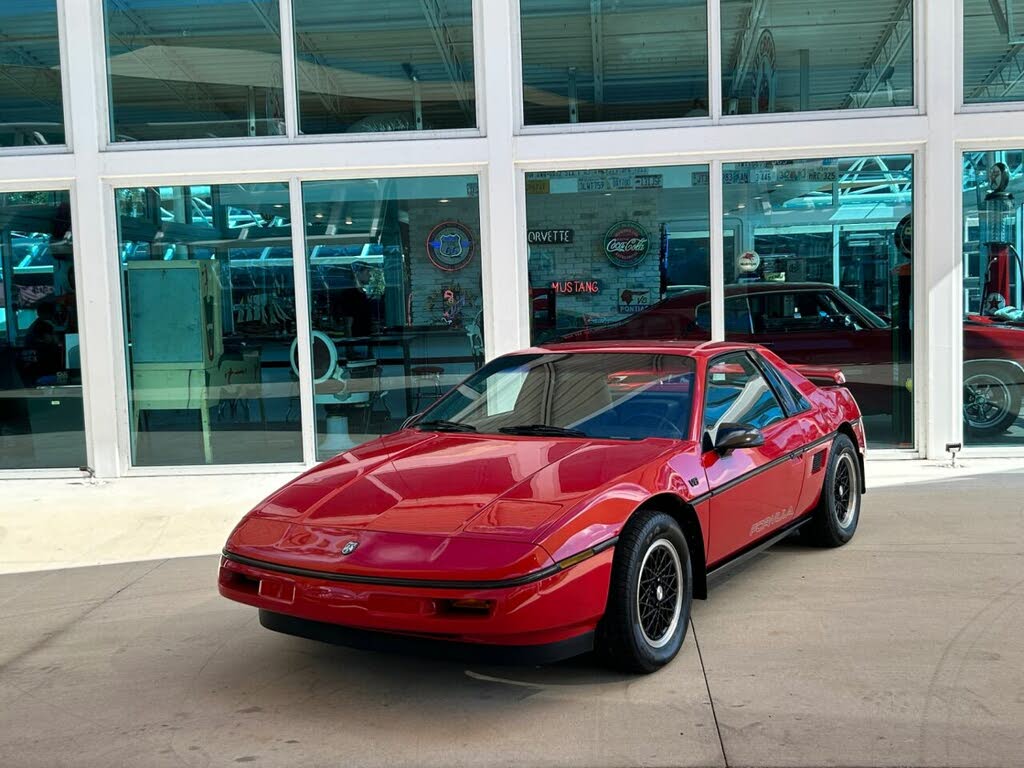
[241,234]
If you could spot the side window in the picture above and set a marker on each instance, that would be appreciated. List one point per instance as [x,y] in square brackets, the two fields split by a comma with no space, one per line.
[737,393]
[796,312]
[793,400]
[737,316]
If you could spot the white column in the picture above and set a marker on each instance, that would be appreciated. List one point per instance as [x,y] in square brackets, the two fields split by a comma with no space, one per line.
[717,237]
[938,263]
[303,324]
[505,285]
[95,241]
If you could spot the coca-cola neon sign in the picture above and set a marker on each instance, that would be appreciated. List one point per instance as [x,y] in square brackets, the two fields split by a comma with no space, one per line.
[626,244]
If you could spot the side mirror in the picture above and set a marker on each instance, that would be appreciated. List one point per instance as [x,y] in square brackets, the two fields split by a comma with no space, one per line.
[731,437]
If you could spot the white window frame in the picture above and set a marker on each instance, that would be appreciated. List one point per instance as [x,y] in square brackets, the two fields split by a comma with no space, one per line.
[716,116]
[292,136]
[66,147]
[66,184]
[963,108]
[937,132]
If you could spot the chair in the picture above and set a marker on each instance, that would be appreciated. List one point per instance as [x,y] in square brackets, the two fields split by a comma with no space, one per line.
[331,389]
[426,380]
[474,329]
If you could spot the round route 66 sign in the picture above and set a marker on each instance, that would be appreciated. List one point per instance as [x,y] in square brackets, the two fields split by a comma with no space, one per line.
[450,246]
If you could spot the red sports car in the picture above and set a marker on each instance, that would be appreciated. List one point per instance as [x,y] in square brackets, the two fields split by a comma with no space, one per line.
[561,499]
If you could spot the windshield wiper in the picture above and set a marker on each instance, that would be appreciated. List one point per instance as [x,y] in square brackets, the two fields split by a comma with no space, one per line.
[440,425]
[541,430]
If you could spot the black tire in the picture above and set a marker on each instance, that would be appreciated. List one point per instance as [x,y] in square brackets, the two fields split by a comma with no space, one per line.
[991,402]
[834,521]
[646,545]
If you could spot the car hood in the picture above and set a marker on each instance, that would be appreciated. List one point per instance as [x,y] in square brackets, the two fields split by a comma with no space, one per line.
[430,483]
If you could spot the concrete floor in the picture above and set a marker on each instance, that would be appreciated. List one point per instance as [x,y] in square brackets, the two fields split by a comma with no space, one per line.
[902,649]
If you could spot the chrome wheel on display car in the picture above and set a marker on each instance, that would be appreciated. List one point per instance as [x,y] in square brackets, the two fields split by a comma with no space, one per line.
[659,597]
[991,404]
[844,496]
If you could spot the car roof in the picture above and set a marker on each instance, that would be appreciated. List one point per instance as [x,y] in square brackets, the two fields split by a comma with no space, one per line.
[696,349]
[735,289]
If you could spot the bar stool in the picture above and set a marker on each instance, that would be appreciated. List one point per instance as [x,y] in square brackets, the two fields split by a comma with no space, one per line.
[427,380]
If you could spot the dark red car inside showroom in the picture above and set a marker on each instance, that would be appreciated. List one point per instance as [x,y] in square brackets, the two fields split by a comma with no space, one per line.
[818,324]
[563,499]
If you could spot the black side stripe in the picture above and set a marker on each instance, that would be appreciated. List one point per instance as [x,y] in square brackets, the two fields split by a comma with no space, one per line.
[350,578]
[755,472]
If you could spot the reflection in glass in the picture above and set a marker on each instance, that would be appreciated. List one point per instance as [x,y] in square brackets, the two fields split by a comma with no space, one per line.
[403,66]
[209,297]
[795,56]
[395,297]
[993,190]
[606,245]
[590,61]
[821,272]
[41,417]
[31,107]
[993,33]
[203,69]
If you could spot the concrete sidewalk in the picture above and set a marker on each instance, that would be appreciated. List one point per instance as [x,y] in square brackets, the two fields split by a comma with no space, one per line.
[47,524]
[900,649]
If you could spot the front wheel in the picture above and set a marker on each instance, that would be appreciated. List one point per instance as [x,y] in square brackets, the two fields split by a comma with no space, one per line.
[650,594]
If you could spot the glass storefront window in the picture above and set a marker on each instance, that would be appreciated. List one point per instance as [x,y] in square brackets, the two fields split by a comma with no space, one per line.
[993,190]
[209,300]
[611,60]
[795,56]
[606,247]
[31,104]
[202,69]
[395,297]
[41,416]
[819,271]
[993,34]
[406,65]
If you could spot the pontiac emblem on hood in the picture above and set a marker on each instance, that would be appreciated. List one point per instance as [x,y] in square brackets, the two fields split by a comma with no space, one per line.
[349,548]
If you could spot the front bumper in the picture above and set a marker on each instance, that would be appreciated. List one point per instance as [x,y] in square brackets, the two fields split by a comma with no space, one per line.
[561,607]
[414,645]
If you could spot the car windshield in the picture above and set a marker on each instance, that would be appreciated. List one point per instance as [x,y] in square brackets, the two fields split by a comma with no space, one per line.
[874,320]
[616,396]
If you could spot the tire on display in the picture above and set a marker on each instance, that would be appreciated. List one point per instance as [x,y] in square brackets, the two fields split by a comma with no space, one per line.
[835,519]
[650,594]
[991,403]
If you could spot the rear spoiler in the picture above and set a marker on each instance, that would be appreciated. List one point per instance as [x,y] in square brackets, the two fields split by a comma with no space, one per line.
[821,375]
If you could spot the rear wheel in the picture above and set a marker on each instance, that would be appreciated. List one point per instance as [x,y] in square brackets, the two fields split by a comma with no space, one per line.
[991,403]
[650,594]
[835,520]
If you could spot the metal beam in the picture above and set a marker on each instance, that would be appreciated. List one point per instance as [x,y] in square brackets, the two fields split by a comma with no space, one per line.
[436,15]
[1003,79]
[266,19]
[746,48]
[23,58]
[597,51]
[318,76]
[1000,16]
[878,71]
[144,28]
